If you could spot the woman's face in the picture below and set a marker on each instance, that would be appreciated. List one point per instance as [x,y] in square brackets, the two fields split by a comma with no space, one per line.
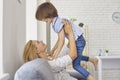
[41,47]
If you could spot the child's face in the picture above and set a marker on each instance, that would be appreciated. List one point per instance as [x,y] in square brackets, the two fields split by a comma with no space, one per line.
[48,20]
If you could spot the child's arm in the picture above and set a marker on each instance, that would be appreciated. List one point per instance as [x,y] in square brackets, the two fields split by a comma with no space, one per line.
[61,40]
[54,48]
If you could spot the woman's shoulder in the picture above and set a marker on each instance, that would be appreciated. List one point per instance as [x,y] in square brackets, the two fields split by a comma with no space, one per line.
[61,61]
[34,69]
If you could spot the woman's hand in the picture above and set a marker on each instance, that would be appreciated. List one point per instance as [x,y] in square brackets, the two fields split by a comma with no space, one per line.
[51,53]
[50,58]
[67,27]
[68,44]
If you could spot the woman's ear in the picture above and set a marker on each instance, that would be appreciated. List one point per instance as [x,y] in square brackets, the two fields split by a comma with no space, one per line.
[39,55]
[37,51]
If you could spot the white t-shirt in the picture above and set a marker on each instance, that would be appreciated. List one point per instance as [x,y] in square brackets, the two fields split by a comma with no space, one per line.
[59,65]
[62,61]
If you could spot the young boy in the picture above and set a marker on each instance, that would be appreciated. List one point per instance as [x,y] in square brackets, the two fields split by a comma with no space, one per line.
[48,13]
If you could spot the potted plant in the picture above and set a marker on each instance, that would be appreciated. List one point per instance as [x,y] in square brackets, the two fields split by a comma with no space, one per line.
[106,52]
[73,19]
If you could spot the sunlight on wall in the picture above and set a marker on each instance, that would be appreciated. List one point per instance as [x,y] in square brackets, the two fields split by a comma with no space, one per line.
[1,24]
[31,22]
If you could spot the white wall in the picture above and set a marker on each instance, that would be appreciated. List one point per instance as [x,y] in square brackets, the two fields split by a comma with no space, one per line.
[19,26]
[14,35]
[31,22]
[1,36]
[103,32]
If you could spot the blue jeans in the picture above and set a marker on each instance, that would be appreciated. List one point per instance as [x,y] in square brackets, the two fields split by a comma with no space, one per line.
[80,44]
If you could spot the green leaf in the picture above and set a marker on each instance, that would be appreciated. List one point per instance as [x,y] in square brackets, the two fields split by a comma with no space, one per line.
[73,19]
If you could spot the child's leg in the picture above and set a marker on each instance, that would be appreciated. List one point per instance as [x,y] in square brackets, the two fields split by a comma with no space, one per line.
[92,60]
[80,44]
[79,68]
[85,58]
[90,77]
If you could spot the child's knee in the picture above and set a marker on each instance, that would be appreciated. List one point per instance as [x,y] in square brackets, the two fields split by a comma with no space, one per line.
[76,66]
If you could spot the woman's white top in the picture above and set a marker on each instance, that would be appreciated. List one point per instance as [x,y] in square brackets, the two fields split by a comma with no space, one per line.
[59,65]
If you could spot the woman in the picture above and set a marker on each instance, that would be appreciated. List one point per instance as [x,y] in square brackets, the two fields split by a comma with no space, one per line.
[37,49]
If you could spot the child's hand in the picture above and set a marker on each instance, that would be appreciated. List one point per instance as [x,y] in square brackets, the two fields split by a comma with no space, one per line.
[67,27]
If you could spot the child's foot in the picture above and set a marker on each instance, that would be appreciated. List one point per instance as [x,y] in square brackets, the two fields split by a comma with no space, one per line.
[95,62]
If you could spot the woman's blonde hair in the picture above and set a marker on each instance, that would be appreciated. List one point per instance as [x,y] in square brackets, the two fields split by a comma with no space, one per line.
[29,52]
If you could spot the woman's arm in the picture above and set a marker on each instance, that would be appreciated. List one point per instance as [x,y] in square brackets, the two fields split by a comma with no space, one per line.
[54,48]
[72,45]
[67,59]
[61,38]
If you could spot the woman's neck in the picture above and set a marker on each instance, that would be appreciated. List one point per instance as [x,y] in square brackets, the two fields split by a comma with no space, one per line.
[43,55]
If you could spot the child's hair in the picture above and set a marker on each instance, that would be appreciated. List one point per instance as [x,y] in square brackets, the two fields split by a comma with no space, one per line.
[46,10]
